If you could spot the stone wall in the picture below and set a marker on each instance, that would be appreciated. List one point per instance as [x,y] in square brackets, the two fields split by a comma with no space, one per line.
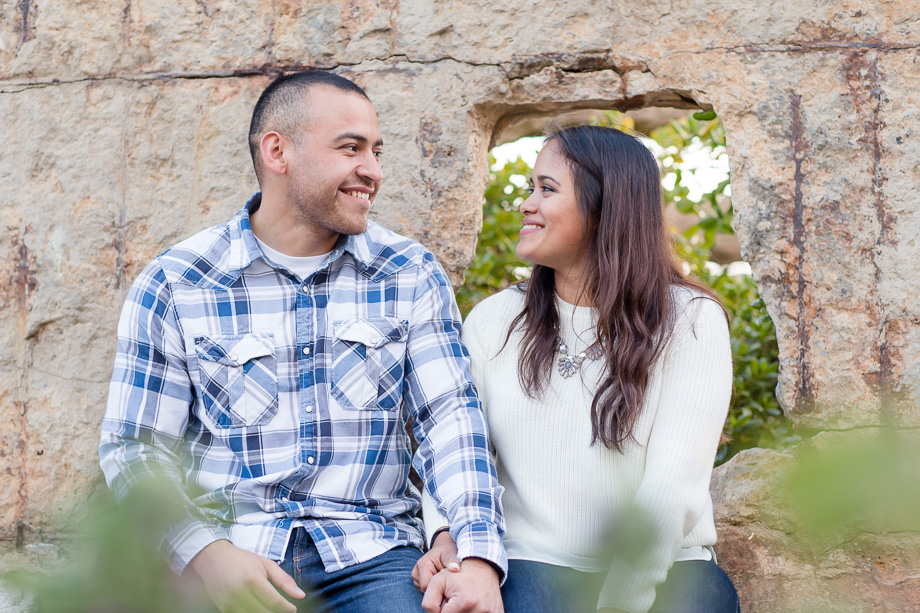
[124,127]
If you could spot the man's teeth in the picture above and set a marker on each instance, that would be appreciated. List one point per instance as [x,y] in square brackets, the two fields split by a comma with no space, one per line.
[530,225]
[361,195]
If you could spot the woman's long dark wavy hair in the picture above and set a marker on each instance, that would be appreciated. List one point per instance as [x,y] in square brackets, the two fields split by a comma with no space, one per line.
[630,273]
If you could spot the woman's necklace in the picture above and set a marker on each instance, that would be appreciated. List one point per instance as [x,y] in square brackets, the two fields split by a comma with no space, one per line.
[568,364]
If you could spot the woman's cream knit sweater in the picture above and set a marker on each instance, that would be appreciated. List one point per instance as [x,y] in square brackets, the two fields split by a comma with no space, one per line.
[564,498]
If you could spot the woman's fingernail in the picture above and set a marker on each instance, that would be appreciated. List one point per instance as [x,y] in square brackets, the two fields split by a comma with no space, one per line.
[454,567]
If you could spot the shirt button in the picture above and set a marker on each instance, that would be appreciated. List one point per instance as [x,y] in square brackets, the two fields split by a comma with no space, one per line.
[285,499]
[305,288]
[233,357]
[310,460]
[309,409]
[306,351]
[375,340]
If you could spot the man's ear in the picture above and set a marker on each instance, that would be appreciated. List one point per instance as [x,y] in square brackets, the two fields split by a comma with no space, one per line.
[272,148]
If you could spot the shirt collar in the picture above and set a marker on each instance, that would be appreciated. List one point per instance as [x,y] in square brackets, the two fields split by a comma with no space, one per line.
[244,250]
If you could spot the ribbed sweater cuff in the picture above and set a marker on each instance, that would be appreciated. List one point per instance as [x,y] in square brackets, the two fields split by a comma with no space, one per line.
[627,588]
[433,517]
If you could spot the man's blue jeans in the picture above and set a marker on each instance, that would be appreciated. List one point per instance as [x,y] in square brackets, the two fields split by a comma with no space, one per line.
[693,586]
[380,585]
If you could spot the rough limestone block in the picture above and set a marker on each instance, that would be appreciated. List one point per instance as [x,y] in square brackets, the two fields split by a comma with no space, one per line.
[784,558]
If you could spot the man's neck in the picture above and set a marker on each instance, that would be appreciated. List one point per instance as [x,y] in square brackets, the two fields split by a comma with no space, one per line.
[276,225]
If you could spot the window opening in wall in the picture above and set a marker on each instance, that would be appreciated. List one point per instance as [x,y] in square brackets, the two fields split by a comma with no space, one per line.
[690,148]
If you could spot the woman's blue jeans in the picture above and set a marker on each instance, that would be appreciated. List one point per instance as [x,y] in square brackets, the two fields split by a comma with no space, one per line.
[693,586]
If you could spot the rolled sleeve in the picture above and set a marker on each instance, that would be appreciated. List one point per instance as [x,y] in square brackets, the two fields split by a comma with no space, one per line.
[453,457]
[481,540]
[147,414]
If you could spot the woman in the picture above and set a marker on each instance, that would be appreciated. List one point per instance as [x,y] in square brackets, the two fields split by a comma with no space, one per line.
[606,380]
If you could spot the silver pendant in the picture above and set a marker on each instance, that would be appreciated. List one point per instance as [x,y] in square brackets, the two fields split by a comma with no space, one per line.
[568,366]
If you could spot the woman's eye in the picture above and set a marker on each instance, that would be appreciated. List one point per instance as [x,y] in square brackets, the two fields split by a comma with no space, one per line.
[546,188]
[530,189]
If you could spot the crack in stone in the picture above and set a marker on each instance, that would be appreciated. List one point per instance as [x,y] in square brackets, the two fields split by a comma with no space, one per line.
[816,46]
[73,379]
[875,427]
[863,81]
[860,534]
[809,46]
[267,69]
[270,42]
[219,74]
[26,26]
[272,70]
[805,401]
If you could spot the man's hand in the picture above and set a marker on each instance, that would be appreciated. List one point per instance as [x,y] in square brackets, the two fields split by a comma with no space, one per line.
[443,554]
[242,582]
[472,590]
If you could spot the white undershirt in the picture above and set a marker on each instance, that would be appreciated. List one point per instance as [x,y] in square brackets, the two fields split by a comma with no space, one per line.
[303,267]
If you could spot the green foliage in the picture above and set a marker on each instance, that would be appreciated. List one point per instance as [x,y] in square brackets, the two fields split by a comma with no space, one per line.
[113,563]
[496,264]
[845,484]
[713,208]
[755,418]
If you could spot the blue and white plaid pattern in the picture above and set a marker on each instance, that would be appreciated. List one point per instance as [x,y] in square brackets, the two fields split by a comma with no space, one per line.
[274,402]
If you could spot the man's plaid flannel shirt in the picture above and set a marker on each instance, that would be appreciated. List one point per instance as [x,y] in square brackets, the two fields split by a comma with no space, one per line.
[275,402]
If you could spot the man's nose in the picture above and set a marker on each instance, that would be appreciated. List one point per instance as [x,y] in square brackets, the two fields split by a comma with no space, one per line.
[370,169]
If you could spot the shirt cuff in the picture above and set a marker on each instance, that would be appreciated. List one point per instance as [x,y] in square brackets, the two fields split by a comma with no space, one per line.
[481,540]
[186,540]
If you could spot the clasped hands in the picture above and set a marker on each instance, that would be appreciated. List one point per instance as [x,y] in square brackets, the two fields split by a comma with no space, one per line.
[451,586]
[439,575]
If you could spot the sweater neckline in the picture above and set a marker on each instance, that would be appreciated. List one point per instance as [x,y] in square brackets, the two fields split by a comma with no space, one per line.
[568,311]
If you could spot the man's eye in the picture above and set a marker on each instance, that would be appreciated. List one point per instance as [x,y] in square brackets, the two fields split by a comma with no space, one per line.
[377,154]
[352,148]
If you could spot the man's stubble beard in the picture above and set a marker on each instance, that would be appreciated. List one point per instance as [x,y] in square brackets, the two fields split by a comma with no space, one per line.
[312,209]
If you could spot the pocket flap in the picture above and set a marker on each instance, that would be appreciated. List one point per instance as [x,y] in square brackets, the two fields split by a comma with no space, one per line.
[236,349]
[372,331]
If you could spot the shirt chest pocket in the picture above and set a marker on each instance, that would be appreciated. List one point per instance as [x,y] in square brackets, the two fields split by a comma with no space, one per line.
[368,362]
[238,380]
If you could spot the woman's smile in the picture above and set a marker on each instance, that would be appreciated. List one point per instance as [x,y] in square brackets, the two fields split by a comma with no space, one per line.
[552,233]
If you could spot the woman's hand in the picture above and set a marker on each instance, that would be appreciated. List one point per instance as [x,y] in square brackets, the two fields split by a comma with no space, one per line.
[443,554]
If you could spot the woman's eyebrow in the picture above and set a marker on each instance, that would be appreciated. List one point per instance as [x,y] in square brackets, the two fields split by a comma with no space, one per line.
[547,178]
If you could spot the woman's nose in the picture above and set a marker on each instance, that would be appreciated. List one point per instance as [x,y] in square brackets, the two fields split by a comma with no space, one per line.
[528,206]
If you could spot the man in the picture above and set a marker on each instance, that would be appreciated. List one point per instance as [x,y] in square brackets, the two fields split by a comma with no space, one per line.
[267,366]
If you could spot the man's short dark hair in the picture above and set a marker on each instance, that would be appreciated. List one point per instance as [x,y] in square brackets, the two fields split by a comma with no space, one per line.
[281,107]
